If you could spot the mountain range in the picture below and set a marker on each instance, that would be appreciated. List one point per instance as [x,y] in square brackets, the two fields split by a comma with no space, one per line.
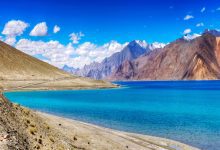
[104,69]
[195,57]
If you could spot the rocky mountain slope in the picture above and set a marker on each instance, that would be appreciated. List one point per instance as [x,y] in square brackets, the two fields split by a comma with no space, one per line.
[197,59]
[19,70]
[104,69]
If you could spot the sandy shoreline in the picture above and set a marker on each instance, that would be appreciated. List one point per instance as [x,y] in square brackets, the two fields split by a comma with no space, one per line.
[94,137]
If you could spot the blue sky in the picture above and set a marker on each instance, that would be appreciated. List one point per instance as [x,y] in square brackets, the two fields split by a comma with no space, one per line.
[121,20]
[101,21]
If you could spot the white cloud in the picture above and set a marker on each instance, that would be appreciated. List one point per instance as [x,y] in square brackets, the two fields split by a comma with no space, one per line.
[187,17]
[91,52]
[10,40]
[39,30]
[56,29]
[201,24]
[59,55]
[98,53]
[187,31]
[12,29]
[75,37]
[203,9]
[54,52]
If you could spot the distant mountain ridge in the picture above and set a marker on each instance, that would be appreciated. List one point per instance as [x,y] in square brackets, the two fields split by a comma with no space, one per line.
[192,57]
[183,59]
[104,69]
[68,69]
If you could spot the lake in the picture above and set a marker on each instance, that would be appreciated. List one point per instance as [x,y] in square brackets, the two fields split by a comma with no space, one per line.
[186,111]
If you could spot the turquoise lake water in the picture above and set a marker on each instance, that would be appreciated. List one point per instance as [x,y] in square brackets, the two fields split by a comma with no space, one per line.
[186,111]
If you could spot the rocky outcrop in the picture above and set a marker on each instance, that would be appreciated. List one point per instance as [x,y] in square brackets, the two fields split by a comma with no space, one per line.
[196,59]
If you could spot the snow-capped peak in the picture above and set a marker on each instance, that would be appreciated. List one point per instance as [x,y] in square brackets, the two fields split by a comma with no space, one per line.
[156,45]
[213,32]
[143,43]
[190,37]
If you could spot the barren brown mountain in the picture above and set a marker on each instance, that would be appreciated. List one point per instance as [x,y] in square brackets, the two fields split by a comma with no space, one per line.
[196,59]
[21,71]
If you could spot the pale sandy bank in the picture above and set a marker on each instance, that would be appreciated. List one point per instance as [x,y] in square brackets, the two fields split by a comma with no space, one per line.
[92,137]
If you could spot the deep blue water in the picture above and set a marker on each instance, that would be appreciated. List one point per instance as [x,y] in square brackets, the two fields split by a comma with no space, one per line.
[186,111]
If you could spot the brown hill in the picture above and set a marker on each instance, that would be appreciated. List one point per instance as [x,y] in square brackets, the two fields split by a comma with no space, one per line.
[21,71]
[197,59]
